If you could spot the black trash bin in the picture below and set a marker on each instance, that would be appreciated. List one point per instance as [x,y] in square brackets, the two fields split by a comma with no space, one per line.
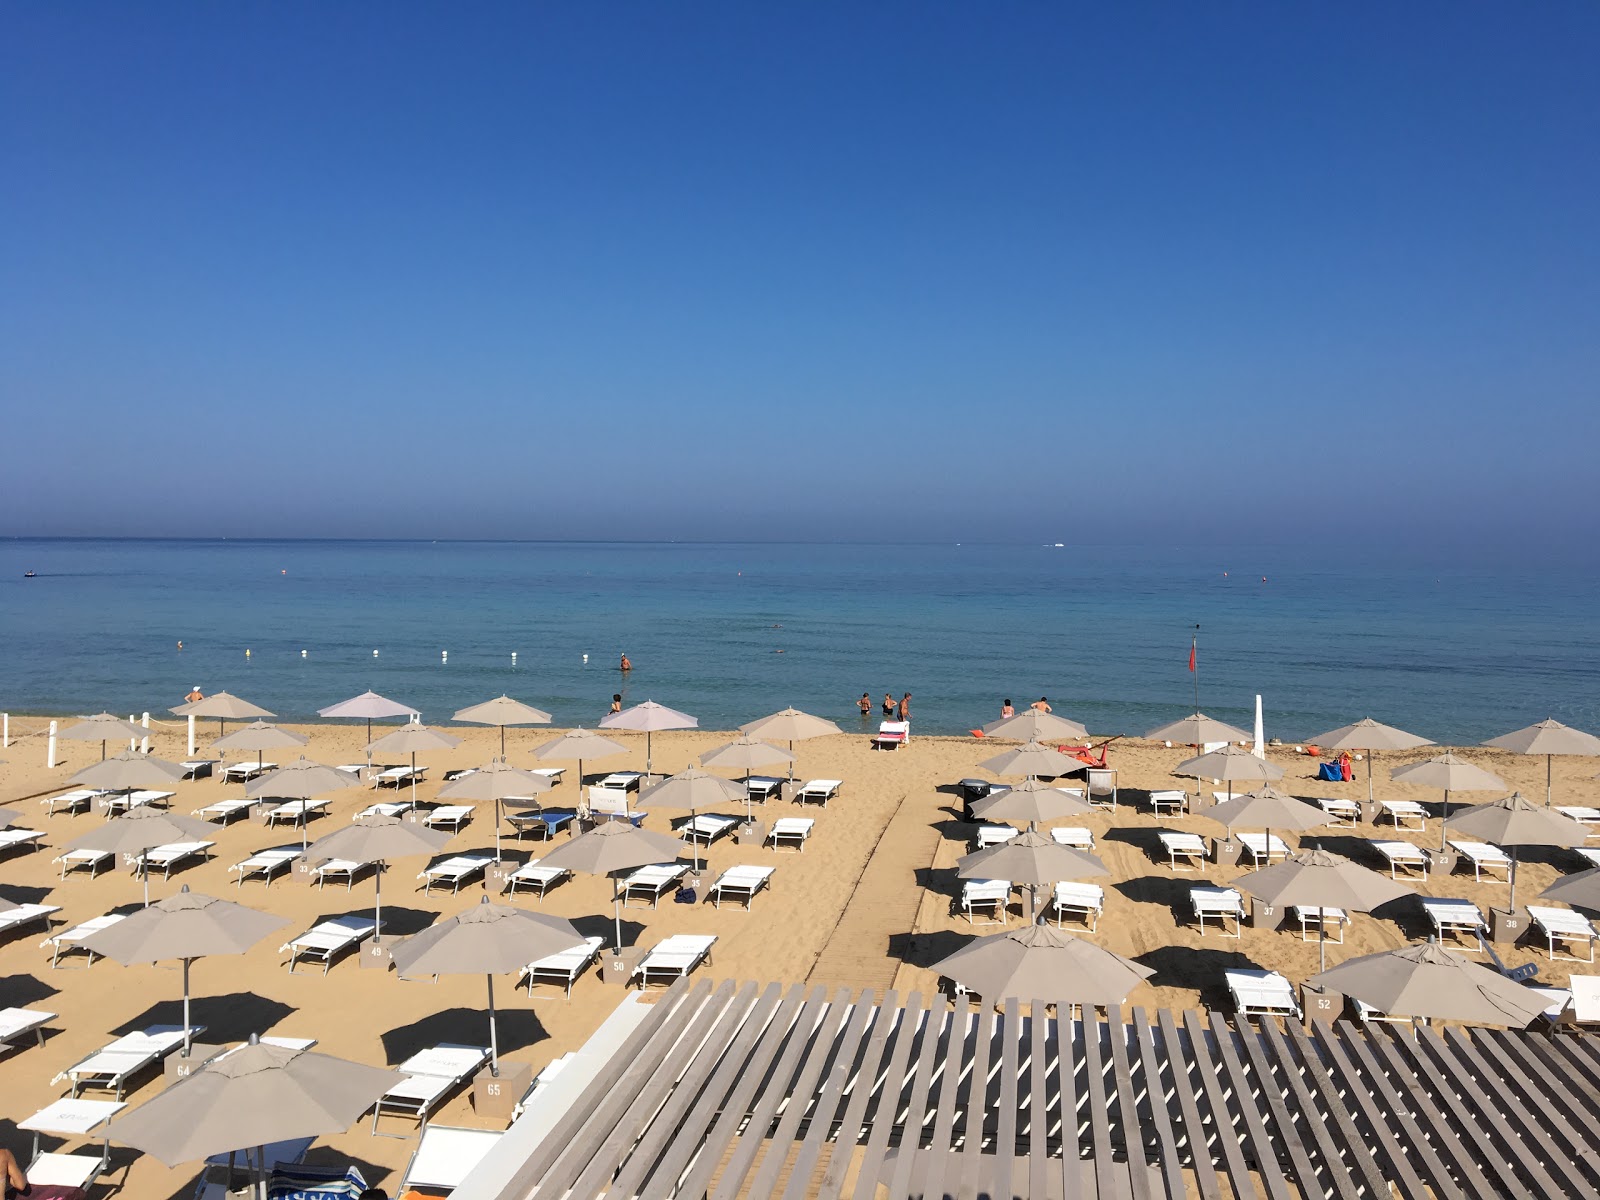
[972,790]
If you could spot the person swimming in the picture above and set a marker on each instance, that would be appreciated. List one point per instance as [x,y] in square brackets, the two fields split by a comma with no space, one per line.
[195,695]
[625,665]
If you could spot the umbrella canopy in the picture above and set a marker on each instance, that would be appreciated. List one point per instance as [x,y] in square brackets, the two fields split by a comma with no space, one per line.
[186,926]
[1453,775]
[576,745]
[225,706]
[1319,879]
[377,840]
[1267,808]
[496,782]
[103,728]
[300,780]
[695,789]
[1030,858]
[1433,983]
[368,706]
[1582,889]
[1197,729]
[1549,738]
[649,717]
[1032,759]
[1371,736]
[502,711]
[613,846]
[1030,801]
[790,725]
[1512,822]
[414,739]
[745,753]
[253,1096]
[1231,764]
[259,736]
[1032,725]
[141,829]
[129,771]
[1040,963]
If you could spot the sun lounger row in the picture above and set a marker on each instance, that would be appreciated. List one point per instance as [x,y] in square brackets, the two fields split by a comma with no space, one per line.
[110,1067]
[13,839]
[112,803]
[430,1076]
[17,1024]
[455,870]
[69,940]
[327,940]
[563,969]
[73,802]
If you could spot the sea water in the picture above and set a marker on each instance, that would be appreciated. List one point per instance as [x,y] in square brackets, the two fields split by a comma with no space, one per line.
[730,632]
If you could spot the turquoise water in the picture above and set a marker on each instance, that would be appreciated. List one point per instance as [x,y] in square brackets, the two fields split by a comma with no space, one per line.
[731,632]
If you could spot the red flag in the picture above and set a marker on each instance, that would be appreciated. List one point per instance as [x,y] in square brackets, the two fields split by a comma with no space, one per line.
[1191,655]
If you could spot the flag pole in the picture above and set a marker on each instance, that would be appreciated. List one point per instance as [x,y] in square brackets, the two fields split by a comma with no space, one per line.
[1194,644]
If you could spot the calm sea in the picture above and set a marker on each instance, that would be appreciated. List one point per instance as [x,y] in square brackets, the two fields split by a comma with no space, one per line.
[731,632]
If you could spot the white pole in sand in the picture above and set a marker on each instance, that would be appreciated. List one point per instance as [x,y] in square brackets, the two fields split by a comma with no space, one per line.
[50,752]
[144,742]
[5,729]
[191,735]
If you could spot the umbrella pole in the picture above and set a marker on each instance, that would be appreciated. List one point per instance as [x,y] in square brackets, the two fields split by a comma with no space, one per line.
[1548,759]
[494,1040]
[694,843]
[377,910]
[1322,940]
[1444,822]
[144,874]
[413,779]
[1513,903]
[791,762]
[647,754]
[497,829]
[1369,776]
[617,899]
[502,741]
[188,1041]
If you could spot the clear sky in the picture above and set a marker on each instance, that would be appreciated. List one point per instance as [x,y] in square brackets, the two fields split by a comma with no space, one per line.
[1014,271]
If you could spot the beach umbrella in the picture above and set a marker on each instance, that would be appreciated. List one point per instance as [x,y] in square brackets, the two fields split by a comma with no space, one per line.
[487,939]
[1266,808]
[368,706]
[103,728]
[300,780]
[186,926]
[1028,802]
[1231,764]
[413,739]
[141,829]
[694,790]
[502,711]
[746,753]
[1197,729]
[790,725]
[260,737]
[1453,775]
[253,1096]
[648,717]
[496,782]
[611,847]
[1432,983]
[377,840]
[1581,890]
[1549,738]
[1032,759]
[1036,962]
[1033,725]
[129,771]
[576,745]
[1370,736]
[224,706]
[1320,879]
[1512,822]
[1030,859]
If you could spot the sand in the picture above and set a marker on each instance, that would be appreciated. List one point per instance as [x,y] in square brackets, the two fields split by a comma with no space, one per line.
[868,904]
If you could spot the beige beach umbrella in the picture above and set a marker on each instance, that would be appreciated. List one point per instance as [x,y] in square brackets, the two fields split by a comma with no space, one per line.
[1197,729]
[369,706]
[224,706]
[1231,764]
[1549,738]
[1582,890]
[1320,879]
[502,711]
[497,782]
[1453,775]
[1266,808]
[1032,725]
[1030,801]
[260,737]
[377,840]
[186,926]
[1040,963]
[128,772]
[141,829]
[486,939]
[612,847]
[1030,859]
[694,789]
[746,753]
[253,1096]
[1033,759]
[1512,822]
[1431,983]
[648,718]
[103,728]
[1371,736]
[300,780]
[790,725]
[576,745]
[413,739]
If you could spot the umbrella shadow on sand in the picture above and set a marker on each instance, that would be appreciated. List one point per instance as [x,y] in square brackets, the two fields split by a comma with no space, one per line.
[1147,841]
[925,949]
[1168,892]
[13,894]
[1195,969]
[517,1028]
[24,990]
[230,1018]
[603,925]
[398,922]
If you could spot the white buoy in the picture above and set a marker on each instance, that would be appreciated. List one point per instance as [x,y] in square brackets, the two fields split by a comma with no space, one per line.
[247,652]
[302,654]
[50,747]
[374,654]
[585,658]
[191,735]
[144,742]
[444,656]
[513,658]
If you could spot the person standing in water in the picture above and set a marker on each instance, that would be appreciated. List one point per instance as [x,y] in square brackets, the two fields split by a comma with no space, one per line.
[905,707]
[616,702]
[865,704]
[1042,704]
[1006,710]
[195,694]
[625,664]
[888,705]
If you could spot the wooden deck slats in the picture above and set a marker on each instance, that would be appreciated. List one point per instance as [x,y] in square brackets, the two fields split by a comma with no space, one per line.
[727,1091]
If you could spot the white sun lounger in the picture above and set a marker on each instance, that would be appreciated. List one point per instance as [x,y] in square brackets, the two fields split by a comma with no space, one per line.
[223,811]
[17,1023]
[1262,993]
[1342,814]
[1401,854]
[346,869]
[1320,923]
[384,808]
[265,863]
[112,803]
[1583,815]
[544,824]
[198,768]
[818,791]
[19,915]
[10,839]
[1406,814]
[673,958]
[991,894]
[455,871]
[611,803]
[995,835]
[169,856]
[792,831]
[1484,856]
[1261,850]
[706,828]
[1564,928]
[1592,857]
[75,801]
[565,968]
[1459,917]
[891,735]
[762,788]
[1102,783]
[1184,850]
[110,1067]
[296,812]
[653,882]
[69,940]
[430,1076]
[623,781]
[530,876]
[1169,802]
[740,883]
[553,774]
[444,1156]
[244,772]
[453,815]
[327,939]
[1076,836]
[1086,901]
[68,1117]
[399,777]
[71,860]
[1576,1005]
[1219,904]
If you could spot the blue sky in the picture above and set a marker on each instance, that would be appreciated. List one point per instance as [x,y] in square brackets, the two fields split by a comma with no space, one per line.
[1035,271]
